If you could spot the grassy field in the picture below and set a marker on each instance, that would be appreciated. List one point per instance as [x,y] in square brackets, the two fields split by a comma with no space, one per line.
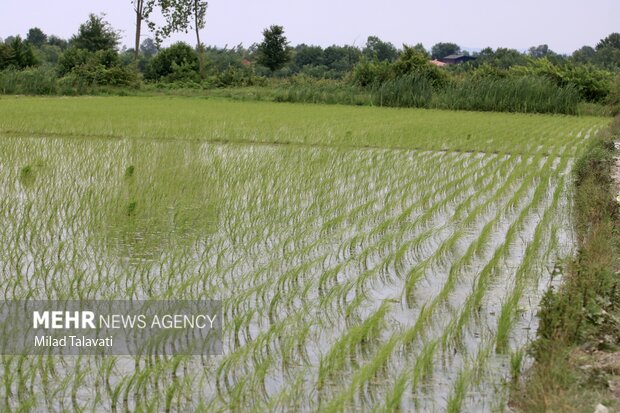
[368,259]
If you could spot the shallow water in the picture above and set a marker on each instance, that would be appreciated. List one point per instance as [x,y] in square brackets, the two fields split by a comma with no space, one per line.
[348,276]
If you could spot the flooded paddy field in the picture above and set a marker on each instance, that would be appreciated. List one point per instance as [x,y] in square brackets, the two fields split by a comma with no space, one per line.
[394,272]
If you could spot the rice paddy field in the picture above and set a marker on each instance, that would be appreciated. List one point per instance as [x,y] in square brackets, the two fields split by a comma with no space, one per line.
[368,259]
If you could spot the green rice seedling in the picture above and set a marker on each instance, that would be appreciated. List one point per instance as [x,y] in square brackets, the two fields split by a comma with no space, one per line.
[305,229]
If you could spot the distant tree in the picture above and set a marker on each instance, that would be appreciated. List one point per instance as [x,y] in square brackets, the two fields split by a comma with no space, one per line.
[36,37]
[441,50]
[382,51]
[17,54]
[95,34]
[501,58]
[420,49]
[54,40]
[613,41]
[308,55]
[583,55]
[274,51]
[540,51]
[148,48]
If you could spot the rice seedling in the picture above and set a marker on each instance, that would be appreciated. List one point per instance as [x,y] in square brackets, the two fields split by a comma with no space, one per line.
[362,254]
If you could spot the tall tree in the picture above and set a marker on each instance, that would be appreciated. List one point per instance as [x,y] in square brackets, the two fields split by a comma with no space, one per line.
[95,34]
[143,9]
[182,15]
[274,50]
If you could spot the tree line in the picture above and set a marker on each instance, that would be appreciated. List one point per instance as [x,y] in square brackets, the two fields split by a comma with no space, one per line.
[92,58]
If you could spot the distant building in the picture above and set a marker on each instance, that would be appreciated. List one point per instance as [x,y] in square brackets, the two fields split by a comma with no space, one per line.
[438,63]
[456,58]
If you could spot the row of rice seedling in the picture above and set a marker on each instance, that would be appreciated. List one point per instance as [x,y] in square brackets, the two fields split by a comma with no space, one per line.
[349,277]
[271,123]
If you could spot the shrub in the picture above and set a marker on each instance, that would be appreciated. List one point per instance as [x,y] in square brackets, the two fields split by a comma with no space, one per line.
[177,62]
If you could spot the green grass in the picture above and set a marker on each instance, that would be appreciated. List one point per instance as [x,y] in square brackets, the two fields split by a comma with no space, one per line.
[362,254]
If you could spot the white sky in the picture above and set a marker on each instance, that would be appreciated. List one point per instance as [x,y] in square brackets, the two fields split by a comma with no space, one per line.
[565,25]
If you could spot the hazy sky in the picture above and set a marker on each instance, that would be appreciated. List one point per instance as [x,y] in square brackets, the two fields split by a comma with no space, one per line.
[565,25]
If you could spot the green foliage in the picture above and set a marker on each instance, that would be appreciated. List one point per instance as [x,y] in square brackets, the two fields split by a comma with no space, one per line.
[72,57]
[36,37]
[527,94]
[441,50]
[592,84]
[95,34]
[57,41]
[16,54]
[501,58]
[100,75]
[177,62]
[611,41]
[379,50]
[235,77]
[308,55]
[274,51]
[414,62]
[368,73]
[30,81]
[82,67]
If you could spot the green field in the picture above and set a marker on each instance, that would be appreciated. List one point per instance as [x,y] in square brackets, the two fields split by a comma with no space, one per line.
[369,259]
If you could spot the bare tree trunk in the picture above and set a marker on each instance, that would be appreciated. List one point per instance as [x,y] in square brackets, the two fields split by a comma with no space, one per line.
[199,46]
[139,10]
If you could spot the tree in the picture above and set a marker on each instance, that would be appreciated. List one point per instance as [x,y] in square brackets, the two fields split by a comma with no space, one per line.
[143,9]
[612,41]
[36,37]
[540,51]
[177,62]
[95,34]
[441,50]
[274,50]
[148,48]
[382,51]
[420,49]
[308,55]
[16,53]
[583,55]
[182,15]
[54,40]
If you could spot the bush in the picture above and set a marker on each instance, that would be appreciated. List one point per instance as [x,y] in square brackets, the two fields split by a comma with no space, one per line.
[177,62]
[236,77]
[72,57]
